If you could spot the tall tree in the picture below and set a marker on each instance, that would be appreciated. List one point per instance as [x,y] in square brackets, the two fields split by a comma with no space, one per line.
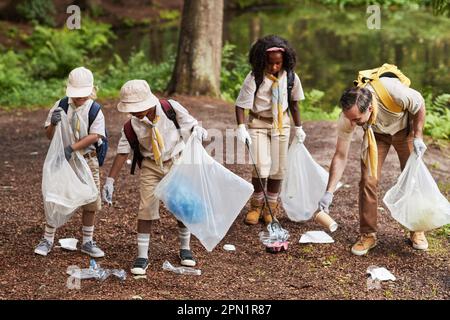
[197,67]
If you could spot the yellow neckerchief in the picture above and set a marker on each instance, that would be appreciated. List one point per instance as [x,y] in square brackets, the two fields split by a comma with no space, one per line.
[277,100]
[157,142]
[369,152]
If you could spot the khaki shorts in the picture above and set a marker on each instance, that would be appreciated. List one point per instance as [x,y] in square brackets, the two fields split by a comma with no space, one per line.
[97,204]
[269,147]
[151,175]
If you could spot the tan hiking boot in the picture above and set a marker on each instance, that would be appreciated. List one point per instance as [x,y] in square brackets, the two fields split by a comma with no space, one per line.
[418,240]
[275,211]
[366,242]
[254,214]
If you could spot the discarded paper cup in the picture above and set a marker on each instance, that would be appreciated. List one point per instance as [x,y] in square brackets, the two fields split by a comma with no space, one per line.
[325,220]
[69,243]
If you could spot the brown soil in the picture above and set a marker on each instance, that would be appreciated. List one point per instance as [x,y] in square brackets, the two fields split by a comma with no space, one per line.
[327,271]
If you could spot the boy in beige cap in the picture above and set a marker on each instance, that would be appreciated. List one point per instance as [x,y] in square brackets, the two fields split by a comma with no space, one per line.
[80,93]
[158,142]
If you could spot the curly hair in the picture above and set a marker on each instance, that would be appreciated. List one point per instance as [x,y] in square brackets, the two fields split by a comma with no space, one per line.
[258,55]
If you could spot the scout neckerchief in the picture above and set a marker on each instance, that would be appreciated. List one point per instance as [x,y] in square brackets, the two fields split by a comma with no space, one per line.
[156,140]
[369,151]
[277,106]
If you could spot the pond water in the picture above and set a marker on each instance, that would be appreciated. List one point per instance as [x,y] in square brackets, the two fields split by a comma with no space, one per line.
[331,44]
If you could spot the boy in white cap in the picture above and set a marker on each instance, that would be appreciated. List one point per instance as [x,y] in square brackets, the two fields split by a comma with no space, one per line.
[158,140]
[77,104]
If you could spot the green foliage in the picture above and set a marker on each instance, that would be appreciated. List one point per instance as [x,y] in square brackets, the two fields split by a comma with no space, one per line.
[137,67]
[441,7]
[41,11]
[437,123]
[312,108]
[234,70]
[54,52]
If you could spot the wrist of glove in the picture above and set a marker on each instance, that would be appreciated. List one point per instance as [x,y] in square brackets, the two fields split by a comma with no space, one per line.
[200,132]
[300,134]
[419,147]
[108,190]
[325,201]
[56,116]
[243,135]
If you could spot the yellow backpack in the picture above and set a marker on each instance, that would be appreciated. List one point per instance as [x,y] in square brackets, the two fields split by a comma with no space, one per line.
[373,76]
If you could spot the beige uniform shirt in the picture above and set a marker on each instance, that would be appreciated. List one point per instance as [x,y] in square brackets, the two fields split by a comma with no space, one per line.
[387,122]
[262,102]
[173,144]
[82,112]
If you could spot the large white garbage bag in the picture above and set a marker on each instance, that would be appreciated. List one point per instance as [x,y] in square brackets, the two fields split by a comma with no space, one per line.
[415,200]
[65,185]
[203,194]
[304,184]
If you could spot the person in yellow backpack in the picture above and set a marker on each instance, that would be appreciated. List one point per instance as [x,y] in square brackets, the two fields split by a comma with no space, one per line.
[386,123]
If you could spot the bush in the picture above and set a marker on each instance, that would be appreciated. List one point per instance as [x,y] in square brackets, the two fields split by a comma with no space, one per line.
[54,52]
[37,10]
[137,67]
[234,70]
[437,123]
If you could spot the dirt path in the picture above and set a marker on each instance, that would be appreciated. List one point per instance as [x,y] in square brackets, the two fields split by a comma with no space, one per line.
[305,272]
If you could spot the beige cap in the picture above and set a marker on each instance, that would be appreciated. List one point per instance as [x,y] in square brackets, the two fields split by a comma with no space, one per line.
[136,96]
[80,83]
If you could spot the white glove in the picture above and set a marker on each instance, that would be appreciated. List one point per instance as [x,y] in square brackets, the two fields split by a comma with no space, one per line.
[108,190]
[243,134]
[200,133]
[325,201]
[300,134]
[419,147]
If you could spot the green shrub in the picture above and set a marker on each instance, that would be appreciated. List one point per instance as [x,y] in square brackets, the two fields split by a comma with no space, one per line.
[437,121]
[41,11]
[54,52]
[137,67]
[234,70]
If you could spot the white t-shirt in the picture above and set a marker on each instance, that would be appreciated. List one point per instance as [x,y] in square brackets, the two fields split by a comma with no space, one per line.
[172,142]
[97,126]
[262,103]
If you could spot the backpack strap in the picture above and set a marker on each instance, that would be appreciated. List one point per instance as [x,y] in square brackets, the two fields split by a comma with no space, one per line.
[93,112]
[290,84]
[258,84]
[169,112]
[385,97]
[134,144]
[64,104]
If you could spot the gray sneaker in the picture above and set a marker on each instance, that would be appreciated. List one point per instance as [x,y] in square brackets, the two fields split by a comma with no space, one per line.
[44,247]
[91,249]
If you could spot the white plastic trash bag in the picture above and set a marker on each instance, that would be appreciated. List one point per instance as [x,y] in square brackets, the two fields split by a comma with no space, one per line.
[65,185]
[203,194]
[415,200]
[304,184]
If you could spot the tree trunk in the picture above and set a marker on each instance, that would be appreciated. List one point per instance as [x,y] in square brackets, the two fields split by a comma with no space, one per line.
[197,68]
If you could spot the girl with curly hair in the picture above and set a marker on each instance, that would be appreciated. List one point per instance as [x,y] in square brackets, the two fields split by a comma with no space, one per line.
[269,91]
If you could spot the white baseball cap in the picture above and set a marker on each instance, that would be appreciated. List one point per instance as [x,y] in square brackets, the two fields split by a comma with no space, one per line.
[80,83]
[136,96]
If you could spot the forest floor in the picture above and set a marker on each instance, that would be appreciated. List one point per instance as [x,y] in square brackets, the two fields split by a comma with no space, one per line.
[321,271]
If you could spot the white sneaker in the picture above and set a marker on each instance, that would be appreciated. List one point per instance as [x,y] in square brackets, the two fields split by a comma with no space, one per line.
[44,247]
